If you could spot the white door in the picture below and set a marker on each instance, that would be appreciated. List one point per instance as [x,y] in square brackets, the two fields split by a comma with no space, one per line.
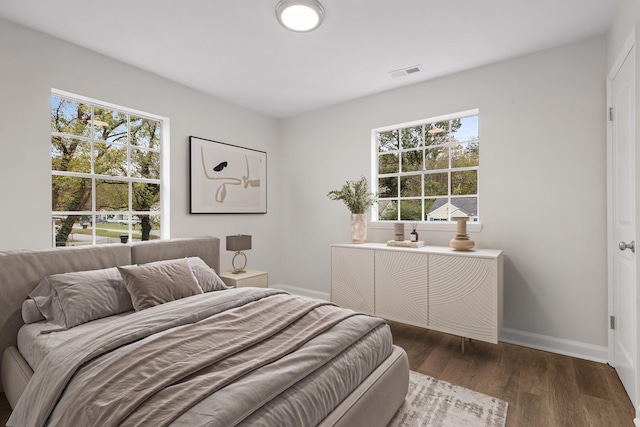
[622,226]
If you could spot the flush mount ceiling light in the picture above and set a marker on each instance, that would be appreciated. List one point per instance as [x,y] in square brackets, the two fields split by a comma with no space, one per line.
[300,15]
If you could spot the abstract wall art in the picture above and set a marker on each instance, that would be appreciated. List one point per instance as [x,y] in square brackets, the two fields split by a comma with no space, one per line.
[226,178]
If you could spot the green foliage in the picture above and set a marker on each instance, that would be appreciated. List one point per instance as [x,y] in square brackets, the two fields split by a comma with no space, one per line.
[410,186]
[411,210]
[412,161]
[111,131]
[356,195]
[388,163]
[436,184]
[464,183]
[387,210]
[388,187]
[388,141]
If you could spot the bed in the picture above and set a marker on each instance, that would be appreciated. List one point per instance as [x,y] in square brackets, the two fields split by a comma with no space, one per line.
[222,357]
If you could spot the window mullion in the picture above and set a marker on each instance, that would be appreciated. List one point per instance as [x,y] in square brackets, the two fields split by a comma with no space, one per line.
[93,180]
[130,184]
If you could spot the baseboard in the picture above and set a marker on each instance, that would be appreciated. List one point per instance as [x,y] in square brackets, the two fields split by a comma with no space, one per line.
[512,336]
[303,292]
[565,347]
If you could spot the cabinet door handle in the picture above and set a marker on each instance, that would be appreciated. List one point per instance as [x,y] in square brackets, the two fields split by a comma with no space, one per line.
[623,246]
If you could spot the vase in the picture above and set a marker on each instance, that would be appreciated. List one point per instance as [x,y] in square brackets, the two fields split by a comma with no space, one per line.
[398,229]
[358,228]
[461,242]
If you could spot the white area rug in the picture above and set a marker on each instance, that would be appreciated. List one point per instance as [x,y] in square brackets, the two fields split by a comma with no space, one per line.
[431,402]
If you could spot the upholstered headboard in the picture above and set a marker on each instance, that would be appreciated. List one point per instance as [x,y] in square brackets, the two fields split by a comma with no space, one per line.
[21,271]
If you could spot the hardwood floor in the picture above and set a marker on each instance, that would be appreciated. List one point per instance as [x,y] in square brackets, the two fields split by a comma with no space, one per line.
[543,389]
[5,410]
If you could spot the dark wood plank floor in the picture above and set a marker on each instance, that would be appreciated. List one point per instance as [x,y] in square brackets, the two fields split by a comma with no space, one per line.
[543,389]
[5,410]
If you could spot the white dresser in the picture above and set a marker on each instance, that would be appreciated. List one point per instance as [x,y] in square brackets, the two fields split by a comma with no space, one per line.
[432,287]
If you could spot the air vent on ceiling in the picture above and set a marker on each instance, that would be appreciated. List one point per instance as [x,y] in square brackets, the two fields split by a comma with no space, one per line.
[406,71]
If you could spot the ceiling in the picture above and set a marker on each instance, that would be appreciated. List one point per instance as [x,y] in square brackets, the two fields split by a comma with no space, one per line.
[237,51]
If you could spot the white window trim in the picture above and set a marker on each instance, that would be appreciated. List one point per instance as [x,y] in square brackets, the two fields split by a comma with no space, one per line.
[165,193]
[472,227]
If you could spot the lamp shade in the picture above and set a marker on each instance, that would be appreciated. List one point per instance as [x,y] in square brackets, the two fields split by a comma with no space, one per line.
[239,242]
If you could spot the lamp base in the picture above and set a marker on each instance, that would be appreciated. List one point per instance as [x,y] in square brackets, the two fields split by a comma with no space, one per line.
[239,269]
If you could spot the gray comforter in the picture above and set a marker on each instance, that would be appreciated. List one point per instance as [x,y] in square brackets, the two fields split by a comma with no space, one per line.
[270,358]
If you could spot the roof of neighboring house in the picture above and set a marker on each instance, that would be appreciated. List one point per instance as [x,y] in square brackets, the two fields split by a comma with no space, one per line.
[468,205]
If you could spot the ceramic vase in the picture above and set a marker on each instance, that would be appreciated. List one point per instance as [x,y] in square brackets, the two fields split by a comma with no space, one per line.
[461,242]
[358,228]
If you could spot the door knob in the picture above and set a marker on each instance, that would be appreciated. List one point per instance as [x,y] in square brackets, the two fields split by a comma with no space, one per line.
[632,246]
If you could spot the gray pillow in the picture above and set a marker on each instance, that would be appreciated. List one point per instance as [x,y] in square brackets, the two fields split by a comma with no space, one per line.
[30,312]
[70,299]
[159,282]
[46,299]
[206,276]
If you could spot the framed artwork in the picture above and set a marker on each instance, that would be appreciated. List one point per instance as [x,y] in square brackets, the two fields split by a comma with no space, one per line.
[226,178]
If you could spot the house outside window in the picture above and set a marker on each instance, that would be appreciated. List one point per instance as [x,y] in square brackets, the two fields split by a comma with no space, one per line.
[427,171]
[106,172]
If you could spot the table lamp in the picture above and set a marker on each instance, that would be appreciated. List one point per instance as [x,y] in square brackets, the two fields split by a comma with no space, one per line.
[239,243]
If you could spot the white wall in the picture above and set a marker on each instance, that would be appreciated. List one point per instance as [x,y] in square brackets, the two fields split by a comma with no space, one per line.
[542,168]
[33,63]
[542,183]
[627,14]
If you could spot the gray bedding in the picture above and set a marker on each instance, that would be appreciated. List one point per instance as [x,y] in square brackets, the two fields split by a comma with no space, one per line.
[282,375]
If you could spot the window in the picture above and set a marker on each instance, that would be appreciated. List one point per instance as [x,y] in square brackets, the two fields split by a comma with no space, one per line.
[105,172]
[428,170]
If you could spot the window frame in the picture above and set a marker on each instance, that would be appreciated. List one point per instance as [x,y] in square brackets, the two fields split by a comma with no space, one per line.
[472,226]
[163,181]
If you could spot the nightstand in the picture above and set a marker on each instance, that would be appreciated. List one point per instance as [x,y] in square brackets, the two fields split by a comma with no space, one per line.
[253,278]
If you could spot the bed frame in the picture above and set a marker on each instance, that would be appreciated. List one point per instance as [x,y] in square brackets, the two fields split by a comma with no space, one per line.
[373,403]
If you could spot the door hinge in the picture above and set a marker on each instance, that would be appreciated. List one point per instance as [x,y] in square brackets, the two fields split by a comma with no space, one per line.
[612,322]
[610,114]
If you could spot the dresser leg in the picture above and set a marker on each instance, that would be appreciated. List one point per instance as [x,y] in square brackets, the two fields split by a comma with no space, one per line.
[462,339]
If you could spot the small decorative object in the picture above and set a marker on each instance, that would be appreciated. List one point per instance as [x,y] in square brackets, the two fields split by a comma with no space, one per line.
[405,244]
[239,243]
[461,242]
[356,195]
[414,233]
[398,230]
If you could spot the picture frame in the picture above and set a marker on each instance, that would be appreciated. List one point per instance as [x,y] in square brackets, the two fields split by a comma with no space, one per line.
[226,179]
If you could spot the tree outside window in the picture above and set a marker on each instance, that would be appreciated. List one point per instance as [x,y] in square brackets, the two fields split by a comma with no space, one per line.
[105,166]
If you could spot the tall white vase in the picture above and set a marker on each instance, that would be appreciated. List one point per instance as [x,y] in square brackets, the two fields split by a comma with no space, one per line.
[358,228]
